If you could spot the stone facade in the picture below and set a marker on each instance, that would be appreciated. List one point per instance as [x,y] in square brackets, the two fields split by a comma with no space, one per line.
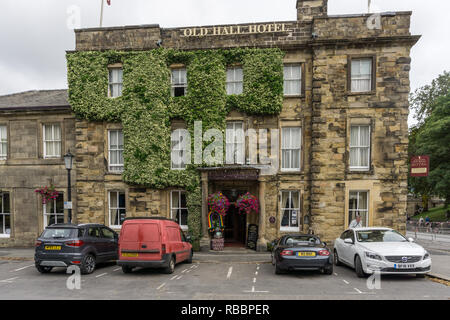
[25,168]
[325,111]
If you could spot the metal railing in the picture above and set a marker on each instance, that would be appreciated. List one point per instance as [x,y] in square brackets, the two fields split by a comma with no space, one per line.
[431,229]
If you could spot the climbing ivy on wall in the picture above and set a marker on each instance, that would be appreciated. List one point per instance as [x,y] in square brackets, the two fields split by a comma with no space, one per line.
[146,107]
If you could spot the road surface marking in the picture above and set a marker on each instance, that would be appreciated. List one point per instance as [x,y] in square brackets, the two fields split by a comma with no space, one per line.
[335,274]
[101,275]
[23,268]
[230,270]
[357,290]
[161,286]
[346,282]
[254,280]
[184,270]
[256,273]
[254,291]
[173,278]
[116,269]
[10,280]
[188,271]
[179,277]
[257,268]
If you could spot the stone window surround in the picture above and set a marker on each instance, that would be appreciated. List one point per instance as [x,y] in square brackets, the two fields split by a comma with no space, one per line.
[41,138]
[303,77]
[246,142]
[178,66]
[11,213]
[349,73]
[355,121]
[6,124]
[109,164]
[283,123]
[118,65]
[372,188]
[108,127]
[51,213]
[286,230]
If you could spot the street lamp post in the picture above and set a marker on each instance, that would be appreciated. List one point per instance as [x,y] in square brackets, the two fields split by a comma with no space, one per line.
[68,161]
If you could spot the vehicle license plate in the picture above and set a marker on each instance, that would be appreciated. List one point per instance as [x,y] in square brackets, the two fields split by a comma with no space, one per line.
[130,255]
[53,248]
[404,266]
[306,254]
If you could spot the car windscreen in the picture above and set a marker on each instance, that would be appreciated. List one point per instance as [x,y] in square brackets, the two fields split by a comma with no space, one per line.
[59,233]
[301,240]
[379,236]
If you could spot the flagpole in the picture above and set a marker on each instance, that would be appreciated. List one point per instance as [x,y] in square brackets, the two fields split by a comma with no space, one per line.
[101,13]
[368,6]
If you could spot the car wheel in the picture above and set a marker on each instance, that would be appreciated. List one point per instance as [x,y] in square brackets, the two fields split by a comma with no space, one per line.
[420,276]
[278,270]
[88,265]
[42,269]
[358,268]
[337,262]
[127,269]
[328,270]
[189,260]
[171,267]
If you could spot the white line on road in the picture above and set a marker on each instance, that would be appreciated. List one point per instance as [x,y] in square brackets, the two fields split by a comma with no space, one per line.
[23,268]
[346,282]
[116,269]
[179,277]
[357,290]
[335,274]
[254,280]
[173,278]
[10,280]
[101,275]
[188,271]
[161,286]
[230,270]
[184,270]
[256,273]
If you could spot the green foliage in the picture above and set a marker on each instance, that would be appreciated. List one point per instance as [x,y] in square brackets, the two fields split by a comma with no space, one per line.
[146,107]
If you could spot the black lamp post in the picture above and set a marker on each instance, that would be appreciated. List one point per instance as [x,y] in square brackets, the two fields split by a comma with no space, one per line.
[68,161]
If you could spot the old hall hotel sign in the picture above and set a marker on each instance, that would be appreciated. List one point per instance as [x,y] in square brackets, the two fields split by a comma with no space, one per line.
[233,30]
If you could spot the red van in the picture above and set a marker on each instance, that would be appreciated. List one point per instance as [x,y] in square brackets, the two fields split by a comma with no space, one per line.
[152,243]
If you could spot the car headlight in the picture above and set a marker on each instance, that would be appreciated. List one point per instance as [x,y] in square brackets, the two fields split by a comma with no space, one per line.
[426,256]
[373,256]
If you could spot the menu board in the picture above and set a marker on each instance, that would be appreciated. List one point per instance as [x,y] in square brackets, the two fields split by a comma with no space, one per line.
[252,237]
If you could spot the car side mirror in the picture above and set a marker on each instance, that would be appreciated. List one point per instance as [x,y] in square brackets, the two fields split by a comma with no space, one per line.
[188,238]
[348,241]
[410,239]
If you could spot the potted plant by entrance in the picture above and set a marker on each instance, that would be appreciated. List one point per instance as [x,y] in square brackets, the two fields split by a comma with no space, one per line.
[247,203]
[218,204]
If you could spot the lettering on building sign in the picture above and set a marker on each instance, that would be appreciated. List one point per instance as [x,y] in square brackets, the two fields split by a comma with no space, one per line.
[233,30]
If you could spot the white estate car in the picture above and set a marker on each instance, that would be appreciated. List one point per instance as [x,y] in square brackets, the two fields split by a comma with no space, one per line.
[380,249]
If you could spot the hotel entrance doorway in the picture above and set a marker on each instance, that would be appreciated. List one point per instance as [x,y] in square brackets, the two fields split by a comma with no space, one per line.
[235,222]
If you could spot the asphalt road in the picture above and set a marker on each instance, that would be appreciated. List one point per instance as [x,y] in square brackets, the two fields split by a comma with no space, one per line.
[246,281]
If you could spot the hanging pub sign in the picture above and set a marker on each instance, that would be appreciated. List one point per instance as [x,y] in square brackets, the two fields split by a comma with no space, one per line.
[252,237]
[420,166]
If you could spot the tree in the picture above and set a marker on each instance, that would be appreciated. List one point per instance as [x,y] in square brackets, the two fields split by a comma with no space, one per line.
[424,99]
[433,139]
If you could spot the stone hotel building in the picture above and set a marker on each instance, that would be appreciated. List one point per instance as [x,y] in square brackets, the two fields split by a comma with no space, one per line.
[342,85]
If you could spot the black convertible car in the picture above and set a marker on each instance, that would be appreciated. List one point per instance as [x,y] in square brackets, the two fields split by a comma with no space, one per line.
[301,252]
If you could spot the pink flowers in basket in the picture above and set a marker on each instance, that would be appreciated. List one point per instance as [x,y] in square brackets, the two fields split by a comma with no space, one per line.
[219,203]
[48,193]
[247,203]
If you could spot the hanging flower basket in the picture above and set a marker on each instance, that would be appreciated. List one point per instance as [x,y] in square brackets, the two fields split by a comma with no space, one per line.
[247,203]
[218,203]
[48,193]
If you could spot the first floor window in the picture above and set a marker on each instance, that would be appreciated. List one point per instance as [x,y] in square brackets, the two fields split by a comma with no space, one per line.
[54,211]
[361,75]
[290,210]
[3,143]
[359,147]
[178,207]
[117,208]
[359,206]
[290,147]
[52,141]
[116,161]
[5,215]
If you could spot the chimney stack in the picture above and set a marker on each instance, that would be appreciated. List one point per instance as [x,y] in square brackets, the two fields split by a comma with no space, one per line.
[308,9]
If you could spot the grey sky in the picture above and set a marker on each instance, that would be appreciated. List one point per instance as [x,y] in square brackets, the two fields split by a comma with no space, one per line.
[34,34]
